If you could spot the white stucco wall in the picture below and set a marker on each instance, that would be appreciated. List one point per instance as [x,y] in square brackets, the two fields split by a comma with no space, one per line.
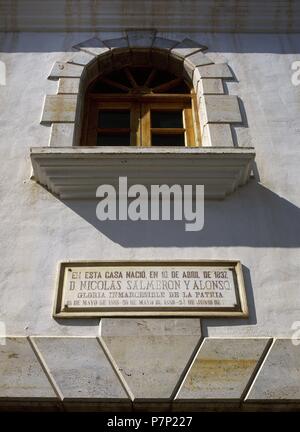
[259,224]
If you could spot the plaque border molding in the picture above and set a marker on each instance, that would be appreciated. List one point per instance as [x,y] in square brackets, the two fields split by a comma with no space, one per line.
[241,311]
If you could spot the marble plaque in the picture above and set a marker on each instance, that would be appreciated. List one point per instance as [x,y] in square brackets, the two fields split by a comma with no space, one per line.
[180,288]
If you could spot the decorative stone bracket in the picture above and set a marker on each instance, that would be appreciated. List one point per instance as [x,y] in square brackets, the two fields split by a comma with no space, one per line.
[64,112]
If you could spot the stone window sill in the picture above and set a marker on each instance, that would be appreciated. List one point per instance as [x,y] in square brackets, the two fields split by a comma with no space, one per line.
[76,172]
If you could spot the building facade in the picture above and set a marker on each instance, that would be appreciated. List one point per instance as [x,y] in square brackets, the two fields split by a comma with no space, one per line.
[85,88]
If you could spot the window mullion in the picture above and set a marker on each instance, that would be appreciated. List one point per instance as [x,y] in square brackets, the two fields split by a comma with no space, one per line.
[145,125]
[134,125]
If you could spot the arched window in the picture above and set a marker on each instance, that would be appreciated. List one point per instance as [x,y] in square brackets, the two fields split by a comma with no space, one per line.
[142,102]
[140,106]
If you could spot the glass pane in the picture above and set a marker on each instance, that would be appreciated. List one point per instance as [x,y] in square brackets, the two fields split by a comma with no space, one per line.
[168,140]
[113,140]
[114,119]
[166,119]
[140,74]
[181,88]
[162,77]
[118,76]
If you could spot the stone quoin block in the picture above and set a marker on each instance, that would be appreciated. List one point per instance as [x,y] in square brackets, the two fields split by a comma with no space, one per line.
[92,46]
[164,44]
[118,44]
[210,86]
[59,108]
[218,135]
[140,38]
[80,368]
[82,58]
[279,377]
[191,62]
[186,48]
[213,71]
[21,373]
[222,369]
[168,343]
[198,59]
[220,109]
[65,70]
[62,135]
[68,85]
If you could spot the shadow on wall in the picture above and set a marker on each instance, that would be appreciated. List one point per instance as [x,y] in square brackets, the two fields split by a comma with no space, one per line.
[253,216]
[230,322]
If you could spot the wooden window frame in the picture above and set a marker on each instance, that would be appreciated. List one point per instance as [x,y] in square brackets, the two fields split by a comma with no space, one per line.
[140,106]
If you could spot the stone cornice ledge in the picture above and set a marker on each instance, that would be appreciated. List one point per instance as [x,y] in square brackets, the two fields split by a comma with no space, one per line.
[76,172]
